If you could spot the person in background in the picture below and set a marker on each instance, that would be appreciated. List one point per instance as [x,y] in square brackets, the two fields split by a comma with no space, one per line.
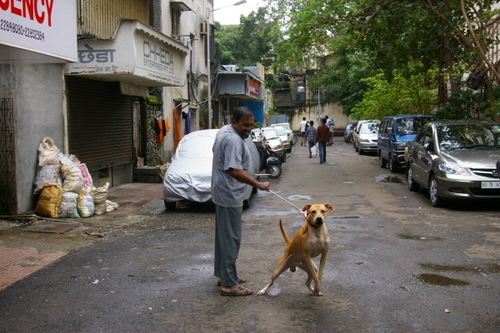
[230,177]
[323,137]
[331,124]
[303,126]
[311,136]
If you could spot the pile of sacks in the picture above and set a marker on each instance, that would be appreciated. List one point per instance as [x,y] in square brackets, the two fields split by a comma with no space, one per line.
[65,186]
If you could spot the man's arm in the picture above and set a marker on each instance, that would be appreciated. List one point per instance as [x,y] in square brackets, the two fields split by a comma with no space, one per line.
[243,177]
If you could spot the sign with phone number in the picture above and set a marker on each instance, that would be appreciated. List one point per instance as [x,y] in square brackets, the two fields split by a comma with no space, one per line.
[490,184]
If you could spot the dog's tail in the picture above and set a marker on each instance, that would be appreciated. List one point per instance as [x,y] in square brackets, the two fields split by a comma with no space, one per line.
[283,232]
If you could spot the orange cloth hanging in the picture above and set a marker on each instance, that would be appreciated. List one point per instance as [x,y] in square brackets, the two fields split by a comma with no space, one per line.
[161,135]
[177,129]
[167,124]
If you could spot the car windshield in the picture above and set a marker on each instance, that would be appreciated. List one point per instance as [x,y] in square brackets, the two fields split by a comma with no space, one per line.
[369,128]
[407,126]
[468,136]
[268,133]
[280,130]
[286,126]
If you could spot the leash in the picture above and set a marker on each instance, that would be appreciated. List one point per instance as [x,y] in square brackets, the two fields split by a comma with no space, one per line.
[288,202]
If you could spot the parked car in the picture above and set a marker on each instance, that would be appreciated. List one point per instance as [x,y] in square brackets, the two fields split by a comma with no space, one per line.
[274,141]
[189,175]
[349,128]
[394,134]
[365,139]
[288,130]
[287,143]
[455,160]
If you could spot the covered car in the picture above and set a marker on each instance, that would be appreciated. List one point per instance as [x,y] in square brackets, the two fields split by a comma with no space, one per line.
[189,175]
[455,160]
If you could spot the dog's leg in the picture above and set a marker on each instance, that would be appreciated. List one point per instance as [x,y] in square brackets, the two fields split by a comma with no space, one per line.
[314,273]
[281,266]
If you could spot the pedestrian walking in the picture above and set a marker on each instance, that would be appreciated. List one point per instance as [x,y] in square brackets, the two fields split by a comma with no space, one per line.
[311,137]
[323,137]
[230,177]
[303,126]
[331,124]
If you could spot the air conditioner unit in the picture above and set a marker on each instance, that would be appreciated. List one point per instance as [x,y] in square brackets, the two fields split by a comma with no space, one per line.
[203,28]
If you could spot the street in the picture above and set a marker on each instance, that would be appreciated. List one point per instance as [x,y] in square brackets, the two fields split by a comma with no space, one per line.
[396,264]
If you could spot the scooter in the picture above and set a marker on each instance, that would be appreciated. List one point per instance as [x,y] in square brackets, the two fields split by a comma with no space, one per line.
[269,163]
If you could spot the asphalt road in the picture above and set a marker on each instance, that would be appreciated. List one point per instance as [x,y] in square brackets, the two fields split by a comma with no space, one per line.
[396,264]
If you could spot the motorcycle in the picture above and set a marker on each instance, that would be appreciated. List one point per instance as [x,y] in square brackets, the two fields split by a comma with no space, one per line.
[271,164]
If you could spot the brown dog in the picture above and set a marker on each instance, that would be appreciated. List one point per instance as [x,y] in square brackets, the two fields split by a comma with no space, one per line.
[309,242]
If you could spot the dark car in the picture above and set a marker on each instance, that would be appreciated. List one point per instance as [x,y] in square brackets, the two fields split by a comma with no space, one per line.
[394,133]
[455,160]
[349,128]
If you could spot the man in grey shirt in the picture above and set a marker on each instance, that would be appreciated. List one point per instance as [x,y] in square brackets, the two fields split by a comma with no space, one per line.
[230,177]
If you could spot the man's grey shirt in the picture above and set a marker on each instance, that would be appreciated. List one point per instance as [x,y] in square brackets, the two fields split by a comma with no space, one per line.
[230,152]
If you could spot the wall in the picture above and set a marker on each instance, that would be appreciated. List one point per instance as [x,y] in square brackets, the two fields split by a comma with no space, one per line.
[37,93]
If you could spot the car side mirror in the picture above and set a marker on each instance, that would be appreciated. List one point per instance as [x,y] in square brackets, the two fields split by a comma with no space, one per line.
[429,146]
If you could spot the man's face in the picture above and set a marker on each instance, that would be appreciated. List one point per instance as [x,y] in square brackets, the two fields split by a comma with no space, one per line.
[244,126]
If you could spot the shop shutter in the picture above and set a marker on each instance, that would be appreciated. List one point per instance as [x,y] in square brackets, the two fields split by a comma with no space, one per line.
[99,123]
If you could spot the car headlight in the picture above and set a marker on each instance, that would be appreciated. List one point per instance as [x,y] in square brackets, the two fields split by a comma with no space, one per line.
[452,169]
[399,145]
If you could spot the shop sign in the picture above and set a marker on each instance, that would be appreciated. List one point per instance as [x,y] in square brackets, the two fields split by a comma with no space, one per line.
[46,28]
[137,54]
[253,88]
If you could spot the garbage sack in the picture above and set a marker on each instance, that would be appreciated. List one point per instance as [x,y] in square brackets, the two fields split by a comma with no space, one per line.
[111,206]
[85,203]
[100,195]
[49,201]
[48,153]
[87,178]
[71,175]
[68,207]
[47,175]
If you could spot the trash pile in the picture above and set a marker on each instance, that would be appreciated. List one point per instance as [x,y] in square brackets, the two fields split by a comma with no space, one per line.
[65,186]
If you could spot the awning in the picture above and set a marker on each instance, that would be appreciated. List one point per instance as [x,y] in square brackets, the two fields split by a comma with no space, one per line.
[137,54]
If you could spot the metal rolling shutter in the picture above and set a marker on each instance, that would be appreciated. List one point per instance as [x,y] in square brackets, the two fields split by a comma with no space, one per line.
[100,123]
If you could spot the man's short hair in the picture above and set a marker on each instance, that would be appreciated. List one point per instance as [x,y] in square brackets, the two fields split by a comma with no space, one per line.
[242,111]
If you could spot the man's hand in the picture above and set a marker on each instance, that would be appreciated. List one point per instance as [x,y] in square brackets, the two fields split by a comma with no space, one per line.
[264,186]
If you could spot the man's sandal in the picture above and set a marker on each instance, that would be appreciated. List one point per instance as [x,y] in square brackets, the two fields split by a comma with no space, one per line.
[236,292]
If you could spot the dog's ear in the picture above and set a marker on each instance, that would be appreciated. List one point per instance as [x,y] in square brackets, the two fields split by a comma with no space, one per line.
[330,207]
[306,208]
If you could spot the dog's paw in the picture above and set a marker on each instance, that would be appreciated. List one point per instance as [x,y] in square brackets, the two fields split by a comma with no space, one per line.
[318,293]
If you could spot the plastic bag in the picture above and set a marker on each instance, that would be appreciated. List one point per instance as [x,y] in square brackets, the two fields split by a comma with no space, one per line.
[85,203]
[68,207]
[314,151]
[48,153]
[49,201]
[100,195]
[47,175]
[71,175]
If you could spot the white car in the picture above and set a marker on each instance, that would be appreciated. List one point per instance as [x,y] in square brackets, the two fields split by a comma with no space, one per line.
[288,130]
[189,175]
[365,137]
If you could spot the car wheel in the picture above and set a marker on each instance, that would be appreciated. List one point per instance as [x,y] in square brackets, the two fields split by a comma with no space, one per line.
[356,147]
[412,184]
[360,151]
[392,165]
[382,161]
[274,171]
[436,200]
[170,205]
[283,160]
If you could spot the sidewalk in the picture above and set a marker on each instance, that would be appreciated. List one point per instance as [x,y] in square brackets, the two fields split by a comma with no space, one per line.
[25,249]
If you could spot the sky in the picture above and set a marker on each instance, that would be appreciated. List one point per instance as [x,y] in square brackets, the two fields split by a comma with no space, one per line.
[231,14]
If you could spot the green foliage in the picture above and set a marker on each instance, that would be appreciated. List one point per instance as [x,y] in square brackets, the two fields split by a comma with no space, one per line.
[464,104]
[400,96]
[247,43]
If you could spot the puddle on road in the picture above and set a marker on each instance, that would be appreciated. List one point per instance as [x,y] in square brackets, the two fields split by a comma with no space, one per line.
[416,237]
[354,196]
[298,197]
[439,280]
[388,179]
[349,182]
[450,268]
